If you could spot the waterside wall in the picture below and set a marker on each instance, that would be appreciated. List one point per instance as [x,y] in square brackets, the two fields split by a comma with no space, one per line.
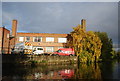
[37,59]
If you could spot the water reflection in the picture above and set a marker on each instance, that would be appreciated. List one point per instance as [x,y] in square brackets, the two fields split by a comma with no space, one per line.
[83,71]
[110,70]
[51,72]
[61,74]
[88,71]
[67,73]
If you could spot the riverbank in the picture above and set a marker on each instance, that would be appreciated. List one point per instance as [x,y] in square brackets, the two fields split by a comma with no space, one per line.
[99,71]
[37,59]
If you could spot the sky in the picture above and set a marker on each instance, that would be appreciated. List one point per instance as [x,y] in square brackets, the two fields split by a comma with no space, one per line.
[0,13]
[60,17]
[60,0]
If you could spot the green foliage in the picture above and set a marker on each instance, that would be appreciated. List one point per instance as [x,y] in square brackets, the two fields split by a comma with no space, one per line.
[91,46]
[85,56]
[33,62]
[72,62]
[87,45]
[43,61]
[118,54]
[107,51]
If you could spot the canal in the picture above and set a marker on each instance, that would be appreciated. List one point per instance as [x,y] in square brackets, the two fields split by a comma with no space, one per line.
[105,70]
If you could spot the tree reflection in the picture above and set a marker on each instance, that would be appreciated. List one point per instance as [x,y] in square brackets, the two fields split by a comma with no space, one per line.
[107,69]
[88,71]
[104,70]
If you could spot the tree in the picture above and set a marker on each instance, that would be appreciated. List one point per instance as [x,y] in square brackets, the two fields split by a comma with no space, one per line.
[107,51]
[87,45]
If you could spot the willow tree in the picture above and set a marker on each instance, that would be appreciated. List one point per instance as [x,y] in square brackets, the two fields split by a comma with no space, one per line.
[78,36]
[87,45]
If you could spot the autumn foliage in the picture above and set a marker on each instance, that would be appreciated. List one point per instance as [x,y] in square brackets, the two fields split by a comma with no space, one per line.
[87,45]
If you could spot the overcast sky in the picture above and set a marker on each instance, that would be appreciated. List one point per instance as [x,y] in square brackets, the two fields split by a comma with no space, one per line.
[60,17]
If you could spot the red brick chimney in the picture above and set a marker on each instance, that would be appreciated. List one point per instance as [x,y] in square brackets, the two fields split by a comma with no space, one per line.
[83,24]
[14,27]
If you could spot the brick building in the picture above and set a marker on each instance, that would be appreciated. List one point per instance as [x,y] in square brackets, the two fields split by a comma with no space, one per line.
[48,41]
[13,34]
[4,40]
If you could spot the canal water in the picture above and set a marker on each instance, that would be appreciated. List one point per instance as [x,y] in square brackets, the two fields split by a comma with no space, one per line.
[99,71]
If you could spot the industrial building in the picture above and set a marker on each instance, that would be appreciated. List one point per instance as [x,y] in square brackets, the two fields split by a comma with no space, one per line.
[50,42]
[4,40]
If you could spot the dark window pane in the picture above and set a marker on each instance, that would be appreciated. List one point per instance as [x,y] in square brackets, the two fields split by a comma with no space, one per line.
[39,40]
[27,38]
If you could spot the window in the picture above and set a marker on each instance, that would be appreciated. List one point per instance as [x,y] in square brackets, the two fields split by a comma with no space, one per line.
[7,35]
[27,39]
[49,39]
[49,49]
[62,40]
[21,39]
[37,39]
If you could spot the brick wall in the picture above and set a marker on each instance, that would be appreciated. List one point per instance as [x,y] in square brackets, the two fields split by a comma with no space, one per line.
[43,43]
[1,29]
[4,40]
[17,59]
[13,36]
[14,27]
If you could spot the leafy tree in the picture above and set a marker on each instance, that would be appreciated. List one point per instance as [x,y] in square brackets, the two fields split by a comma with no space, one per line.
[118,54]
[107,51]
[87,45]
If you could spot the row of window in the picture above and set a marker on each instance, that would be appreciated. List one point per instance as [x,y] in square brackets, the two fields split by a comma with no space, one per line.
[48,49]
[39,39]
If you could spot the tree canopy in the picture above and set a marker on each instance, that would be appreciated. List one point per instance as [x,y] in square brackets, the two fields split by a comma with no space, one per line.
[107,51]
[87,45]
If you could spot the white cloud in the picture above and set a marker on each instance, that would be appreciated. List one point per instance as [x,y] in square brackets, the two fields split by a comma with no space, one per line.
[61,17]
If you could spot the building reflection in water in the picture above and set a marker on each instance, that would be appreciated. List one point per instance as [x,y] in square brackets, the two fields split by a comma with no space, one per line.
[60,74]
[83,71]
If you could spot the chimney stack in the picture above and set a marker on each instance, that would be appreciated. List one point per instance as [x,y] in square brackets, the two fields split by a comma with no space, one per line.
[83,24]
[14,27]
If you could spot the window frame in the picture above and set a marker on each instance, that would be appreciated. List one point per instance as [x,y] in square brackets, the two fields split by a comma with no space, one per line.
[53,39]
[37,39]
[21,37]
[26,38]
[49,47]
[62,38]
